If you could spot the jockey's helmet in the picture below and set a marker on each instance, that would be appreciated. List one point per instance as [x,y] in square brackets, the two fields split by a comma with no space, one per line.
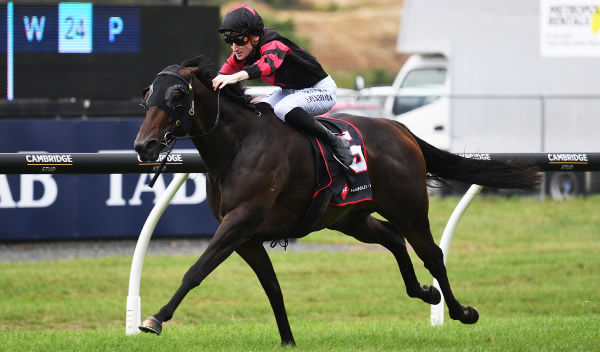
[242,19]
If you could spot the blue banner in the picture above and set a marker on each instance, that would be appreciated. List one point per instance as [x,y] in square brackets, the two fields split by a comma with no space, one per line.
[45,207]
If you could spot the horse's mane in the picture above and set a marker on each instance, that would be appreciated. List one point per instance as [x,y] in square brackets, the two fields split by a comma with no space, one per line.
[207,71]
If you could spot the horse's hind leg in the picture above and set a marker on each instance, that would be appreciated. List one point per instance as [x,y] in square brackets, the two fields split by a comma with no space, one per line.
[419,236]
[256,256]
[367,229]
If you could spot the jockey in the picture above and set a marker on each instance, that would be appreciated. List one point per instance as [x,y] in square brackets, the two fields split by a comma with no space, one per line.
[307,90]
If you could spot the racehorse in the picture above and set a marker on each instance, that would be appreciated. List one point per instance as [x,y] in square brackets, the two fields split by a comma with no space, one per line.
[260,181]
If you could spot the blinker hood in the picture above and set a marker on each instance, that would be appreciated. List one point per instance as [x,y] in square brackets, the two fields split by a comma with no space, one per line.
[179,107]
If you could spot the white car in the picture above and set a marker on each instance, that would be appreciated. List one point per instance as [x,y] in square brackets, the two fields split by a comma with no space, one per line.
[420,98]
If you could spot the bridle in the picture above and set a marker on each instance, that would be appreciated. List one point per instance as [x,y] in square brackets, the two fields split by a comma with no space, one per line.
[165,82]
[160,95]
[169,136]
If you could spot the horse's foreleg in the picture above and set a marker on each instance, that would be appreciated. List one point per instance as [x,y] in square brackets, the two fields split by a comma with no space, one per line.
[256,256]
[371,230]
[208,261]
[228,237]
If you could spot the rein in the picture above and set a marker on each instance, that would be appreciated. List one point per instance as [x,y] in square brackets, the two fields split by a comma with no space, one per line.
[215,124]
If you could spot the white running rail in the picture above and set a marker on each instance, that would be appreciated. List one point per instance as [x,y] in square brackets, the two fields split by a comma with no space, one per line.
[134,305]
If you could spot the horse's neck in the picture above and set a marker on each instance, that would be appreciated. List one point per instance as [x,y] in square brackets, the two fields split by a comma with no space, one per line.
[221,145]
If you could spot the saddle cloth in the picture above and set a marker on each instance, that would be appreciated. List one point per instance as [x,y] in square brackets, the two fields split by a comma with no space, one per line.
[334,185]
[347,186]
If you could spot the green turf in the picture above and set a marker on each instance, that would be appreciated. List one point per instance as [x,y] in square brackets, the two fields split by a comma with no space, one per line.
[530,268]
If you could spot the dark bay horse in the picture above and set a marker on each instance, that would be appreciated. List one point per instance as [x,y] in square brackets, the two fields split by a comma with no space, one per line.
[261,179]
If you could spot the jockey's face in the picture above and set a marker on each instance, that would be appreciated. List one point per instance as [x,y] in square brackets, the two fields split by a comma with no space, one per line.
[243,51]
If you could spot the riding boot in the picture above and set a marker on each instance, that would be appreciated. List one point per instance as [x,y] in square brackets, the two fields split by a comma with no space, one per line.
[299,118]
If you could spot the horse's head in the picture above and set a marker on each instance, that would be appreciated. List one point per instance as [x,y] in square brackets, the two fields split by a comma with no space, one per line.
[169,105]
[170,108]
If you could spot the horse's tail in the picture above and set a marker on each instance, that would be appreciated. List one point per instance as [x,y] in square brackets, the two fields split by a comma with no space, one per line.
[490,173]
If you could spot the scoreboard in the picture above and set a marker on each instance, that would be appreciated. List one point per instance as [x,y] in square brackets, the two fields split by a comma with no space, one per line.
[77,49]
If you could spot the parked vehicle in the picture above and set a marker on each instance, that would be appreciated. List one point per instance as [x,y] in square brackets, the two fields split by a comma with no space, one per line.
[489,79]
[420,98]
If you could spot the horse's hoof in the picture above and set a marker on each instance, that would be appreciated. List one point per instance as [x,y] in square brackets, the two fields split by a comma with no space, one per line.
[433,295]
[151,324]
[471,316]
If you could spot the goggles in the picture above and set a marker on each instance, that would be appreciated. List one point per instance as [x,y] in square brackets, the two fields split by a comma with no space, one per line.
[239,39]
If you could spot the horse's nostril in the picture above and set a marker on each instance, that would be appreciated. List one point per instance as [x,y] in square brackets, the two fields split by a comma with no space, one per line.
[147,151]
[151,146]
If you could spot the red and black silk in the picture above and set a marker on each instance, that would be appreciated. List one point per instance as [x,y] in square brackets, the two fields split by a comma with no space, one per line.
[278,61]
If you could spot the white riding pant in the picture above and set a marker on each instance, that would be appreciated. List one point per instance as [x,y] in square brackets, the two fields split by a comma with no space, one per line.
[315,100]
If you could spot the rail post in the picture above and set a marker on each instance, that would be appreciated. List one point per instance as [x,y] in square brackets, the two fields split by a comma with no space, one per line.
[134,305]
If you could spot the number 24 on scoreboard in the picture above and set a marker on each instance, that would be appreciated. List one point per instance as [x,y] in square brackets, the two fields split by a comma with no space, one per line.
[74,27]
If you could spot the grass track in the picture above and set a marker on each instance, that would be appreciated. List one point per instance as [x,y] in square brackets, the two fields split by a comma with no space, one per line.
[531,269]
[525,334]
